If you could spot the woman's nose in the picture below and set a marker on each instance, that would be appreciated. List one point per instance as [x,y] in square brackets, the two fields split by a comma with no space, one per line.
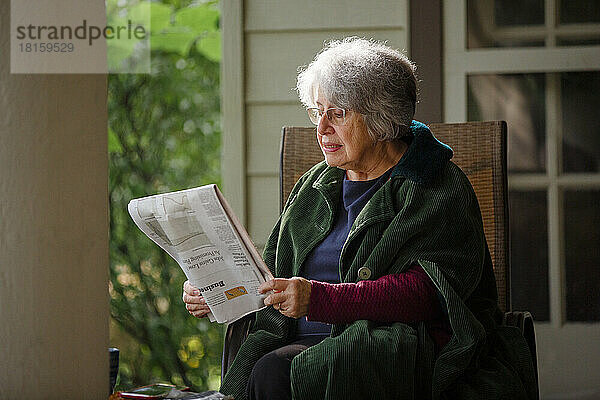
[324,127]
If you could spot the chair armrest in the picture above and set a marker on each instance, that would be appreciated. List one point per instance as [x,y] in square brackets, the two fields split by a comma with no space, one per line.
[524,321]
[236,334]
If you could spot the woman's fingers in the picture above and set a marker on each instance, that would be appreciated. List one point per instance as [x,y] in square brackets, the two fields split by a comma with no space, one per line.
[200,313]
[193,299]
[198,310]
[196,307]
[293,299]
[276,298]
[276,285]
[191,294]
[189,289]
[194,302]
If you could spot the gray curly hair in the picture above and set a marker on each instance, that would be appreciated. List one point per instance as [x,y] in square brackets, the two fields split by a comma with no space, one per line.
[365,76]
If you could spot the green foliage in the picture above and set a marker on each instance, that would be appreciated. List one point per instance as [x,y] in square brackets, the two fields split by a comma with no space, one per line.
[164,135]
[173,27]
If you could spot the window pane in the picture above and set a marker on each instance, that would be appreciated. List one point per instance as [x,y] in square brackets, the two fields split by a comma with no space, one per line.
[576,11]
[518,12]
[519,100]
[582,254]
[529,253]
[577,42]
[580,96]
[490,23]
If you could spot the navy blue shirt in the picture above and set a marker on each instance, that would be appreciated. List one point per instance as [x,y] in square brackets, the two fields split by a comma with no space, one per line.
[322,264]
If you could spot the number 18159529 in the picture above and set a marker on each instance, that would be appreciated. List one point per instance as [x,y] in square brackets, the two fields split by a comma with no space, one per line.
[44,47]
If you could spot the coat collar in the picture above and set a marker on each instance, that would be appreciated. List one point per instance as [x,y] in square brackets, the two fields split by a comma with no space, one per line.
[421,162]
[425,156]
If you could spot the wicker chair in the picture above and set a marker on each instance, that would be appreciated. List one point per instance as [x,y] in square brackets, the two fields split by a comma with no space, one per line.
[480,151]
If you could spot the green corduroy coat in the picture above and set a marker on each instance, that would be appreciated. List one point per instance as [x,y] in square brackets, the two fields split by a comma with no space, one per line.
[426,213]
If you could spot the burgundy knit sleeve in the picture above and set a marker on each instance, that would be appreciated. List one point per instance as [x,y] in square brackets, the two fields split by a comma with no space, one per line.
[406,297]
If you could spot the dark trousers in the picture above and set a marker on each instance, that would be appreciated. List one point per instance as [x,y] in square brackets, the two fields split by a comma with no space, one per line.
[270,377]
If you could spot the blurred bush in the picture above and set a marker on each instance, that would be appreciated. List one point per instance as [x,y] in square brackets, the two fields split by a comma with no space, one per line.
[164,135]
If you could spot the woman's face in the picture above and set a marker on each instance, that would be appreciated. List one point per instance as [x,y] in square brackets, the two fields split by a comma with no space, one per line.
[349,146]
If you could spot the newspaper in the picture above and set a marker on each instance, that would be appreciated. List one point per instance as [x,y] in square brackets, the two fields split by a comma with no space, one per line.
[200,231]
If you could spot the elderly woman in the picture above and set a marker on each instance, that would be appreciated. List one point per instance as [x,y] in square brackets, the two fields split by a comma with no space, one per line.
[384,284]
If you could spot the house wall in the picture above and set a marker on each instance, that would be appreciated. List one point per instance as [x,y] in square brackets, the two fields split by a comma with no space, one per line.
[53,231]
[264,44]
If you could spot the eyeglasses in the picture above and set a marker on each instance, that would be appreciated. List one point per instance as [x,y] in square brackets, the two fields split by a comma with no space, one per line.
[336,116]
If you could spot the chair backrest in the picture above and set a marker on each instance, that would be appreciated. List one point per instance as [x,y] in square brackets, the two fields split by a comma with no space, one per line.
[479,150]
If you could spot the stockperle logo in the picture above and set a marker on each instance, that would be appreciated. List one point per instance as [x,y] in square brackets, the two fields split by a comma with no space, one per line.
[74,36]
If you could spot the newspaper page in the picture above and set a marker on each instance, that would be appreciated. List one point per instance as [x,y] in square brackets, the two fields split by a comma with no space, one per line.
[200,231]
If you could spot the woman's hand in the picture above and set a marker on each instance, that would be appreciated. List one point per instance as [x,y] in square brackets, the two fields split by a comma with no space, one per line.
[291,296]
[194,302]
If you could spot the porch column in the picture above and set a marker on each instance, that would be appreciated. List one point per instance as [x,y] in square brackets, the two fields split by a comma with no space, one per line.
[53,232]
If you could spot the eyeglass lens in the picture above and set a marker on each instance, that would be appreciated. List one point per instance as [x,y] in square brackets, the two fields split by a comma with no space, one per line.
[336,116]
